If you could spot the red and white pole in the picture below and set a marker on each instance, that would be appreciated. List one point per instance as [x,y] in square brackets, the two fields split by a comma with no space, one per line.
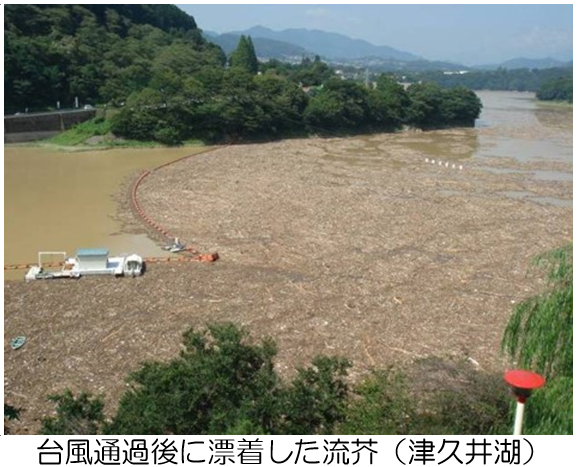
[522,383]
[519,412]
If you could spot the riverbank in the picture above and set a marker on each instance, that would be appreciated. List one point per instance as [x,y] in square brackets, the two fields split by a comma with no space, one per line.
[356,247]
[91,135]
[561,105]
[104,143]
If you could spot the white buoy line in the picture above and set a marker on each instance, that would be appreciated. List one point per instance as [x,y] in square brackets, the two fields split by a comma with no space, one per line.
[443,164]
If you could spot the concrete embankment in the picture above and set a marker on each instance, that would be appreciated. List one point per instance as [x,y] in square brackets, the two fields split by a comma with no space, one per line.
[31,127]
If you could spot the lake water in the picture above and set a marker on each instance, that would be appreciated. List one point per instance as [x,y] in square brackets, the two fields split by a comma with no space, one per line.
[516,125]
[62,201]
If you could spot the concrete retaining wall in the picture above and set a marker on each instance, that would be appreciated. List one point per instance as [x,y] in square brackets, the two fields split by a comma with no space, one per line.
[42,124]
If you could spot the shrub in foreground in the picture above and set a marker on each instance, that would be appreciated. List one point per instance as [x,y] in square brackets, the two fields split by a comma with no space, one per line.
[221,383]
[82,415]
[539,336]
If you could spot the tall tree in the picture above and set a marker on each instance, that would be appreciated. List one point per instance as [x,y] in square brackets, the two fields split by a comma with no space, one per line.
[244,56]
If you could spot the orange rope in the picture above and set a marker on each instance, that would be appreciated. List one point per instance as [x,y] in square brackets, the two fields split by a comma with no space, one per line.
[142,214]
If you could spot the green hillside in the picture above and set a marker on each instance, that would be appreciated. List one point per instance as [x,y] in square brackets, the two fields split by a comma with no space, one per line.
[98,53]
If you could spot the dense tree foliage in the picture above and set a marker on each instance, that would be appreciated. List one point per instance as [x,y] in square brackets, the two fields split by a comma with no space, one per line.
[98,53]
[339,105]
[307,73]
[389,103]
[242,106]
[558,89]
[432,106]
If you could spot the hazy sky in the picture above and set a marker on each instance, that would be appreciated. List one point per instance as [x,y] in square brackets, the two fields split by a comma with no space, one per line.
[470,34]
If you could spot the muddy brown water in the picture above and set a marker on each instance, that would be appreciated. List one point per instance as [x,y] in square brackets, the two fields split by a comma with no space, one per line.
[61,201]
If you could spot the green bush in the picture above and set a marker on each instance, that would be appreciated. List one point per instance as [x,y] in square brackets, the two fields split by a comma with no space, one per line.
[10,413]
[82,131]
[316,400]
[539,337]
[433,396]
[481,405]
[168,136]
[381,404]
[82,415]
[221,383]
[550,409]
[217,381]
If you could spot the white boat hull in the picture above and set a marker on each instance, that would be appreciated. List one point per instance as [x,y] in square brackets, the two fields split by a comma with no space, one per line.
[132,266]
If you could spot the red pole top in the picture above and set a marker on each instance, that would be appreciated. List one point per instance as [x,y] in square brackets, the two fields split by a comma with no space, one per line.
[523,379]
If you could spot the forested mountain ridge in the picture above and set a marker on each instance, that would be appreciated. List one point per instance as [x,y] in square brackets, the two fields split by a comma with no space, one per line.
[171,85]
[41,19]
[98,53]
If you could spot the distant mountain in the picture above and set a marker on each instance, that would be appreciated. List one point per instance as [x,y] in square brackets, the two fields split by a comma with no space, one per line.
[264,48]
[329,45]
[336,49]
[531,63]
